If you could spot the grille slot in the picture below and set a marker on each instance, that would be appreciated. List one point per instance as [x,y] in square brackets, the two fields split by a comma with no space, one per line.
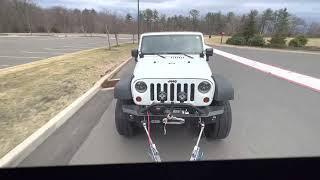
[192,92]
[178,88]
[171,92]
[165,89]
[158,91]
[152,91]
[185,89]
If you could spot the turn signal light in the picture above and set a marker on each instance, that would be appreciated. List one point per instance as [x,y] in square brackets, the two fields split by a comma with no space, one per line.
[138,99]
[206,99]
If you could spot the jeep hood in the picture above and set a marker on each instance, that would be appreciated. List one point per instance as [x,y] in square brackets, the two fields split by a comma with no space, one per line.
[172,67]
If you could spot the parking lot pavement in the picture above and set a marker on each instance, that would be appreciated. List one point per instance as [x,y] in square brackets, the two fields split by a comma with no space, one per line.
[306,63]
[271,118]
[17,50]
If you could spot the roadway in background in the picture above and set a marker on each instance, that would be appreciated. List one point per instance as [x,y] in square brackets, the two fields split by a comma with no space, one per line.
[17,50]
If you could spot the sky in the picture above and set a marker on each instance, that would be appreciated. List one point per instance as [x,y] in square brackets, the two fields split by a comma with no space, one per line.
[307,9]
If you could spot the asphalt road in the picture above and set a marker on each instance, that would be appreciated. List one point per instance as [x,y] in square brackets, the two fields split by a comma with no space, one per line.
[271,118]
[306,63]
[17,50]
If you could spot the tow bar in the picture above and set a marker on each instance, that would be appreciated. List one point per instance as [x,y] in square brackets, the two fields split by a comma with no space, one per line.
[196,153]
[154,152]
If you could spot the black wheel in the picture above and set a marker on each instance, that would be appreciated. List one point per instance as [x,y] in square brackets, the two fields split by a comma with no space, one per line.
[221,128]
[123,126]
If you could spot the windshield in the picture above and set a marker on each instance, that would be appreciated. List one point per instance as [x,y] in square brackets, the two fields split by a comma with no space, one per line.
[188,44]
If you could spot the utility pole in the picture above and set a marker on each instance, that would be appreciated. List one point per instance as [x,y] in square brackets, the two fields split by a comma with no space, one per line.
[138,23]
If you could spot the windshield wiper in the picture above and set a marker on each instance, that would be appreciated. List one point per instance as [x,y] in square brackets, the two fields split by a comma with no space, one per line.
[160,55]
[155,54]
[182,54]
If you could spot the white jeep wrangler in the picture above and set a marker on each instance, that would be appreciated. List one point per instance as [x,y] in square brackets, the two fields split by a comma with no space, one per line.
[172,83]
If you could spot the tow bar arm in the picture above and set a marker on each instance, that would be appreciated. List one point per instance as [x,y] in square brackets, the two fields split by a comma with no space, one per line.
[196,153]
[154,152]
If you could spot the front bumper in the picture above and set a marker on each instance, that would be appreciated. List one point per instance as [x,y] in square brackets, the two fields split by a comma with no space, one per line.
[158,111]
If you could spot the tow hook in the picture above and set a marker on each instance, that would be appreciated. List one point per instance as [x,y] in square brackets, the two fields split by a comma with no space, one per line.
[171,120]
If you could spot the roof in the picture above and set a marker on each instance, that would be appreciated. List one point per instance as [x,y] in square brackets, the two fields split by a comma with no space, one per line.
[172,33]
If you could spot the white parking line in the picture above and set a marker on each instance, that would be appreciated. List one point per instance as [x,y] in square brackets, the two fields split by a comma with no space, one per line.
[88,47]
[94,43]
[22,57]
[66,49]
[300,79]
[31,52]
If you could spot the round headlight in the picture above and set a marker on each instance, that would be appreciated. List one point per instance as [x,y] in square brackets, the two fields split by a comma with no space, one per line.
[204,87]
[141,86]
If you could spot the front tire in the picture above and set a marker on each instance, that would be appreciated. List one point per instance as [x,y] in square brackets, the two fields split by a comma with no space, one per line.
[221,128]
[123,126]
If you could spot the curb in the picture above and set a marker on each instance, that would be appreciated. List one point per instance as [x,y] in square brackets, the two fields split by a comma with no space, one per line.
[25,148]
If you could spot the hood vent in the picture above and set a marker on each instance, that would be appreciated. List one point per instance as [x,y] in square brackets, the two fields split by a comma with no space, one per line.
[177,57]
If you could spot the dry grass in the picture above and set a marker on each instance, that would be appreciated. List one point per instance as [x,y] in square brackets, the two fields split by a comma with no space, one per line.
[32,94]
[216,39]
[312,42]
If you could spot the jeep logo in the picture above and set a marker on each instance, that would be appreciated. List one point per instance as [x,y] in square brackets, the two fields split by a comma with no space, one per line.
[172,81]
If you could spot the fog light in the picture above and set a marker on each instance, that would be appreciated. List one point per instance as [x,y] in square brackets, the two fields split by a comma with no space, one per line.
[182,96]
[206,99]
[138,99]
[163,96]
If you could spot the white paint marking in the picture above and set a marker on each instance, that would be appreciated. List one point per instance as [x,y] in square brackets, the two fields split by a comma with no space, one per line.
[25,57]
[30,52]
[303,80]
[94,43]
[85,47]
[56,49]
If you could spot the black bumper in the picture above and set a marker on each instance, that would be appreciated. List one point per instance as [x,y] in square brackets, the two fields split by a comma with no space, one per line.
[158,111]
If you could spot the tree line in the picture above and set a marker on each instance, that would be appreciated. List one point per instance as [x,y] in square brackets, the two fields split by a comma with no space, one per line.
[26,16]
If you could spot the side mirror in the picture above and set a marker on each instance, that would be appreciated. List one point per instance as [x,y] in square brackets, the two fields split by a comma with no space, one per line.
[134,54]
[209,52]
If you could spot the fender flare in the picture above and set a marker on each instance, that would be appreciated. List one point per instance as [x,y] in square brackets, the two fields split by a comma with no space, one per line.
[223,88]
[122,89]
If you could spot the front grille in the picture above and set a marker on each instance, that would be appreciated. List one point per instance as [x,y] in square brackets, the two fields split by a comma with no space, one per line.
[171,90]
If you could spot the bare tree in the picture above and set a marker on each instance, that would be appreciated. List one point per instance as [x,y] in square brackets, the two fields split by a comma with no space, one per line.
[108,37]
[314,29]
[195,18]
[266,18]
[23,7]
[297,26]
[129,22]
[27,16]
